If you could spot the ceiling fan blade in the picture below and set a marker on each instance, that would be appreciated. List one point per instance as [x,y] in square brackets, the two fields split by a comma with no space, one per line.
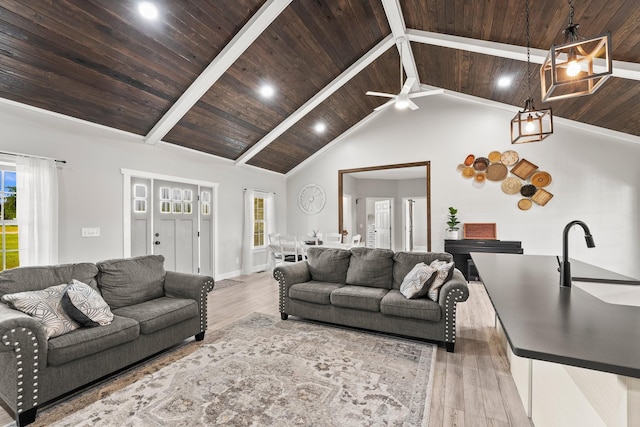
[425,93]
[412,105]
[386,95]
[385,105]
[408,84]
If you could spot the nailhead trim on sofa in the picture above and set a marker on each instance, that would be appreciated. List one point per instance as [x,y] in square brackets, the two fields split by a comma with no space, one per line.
[25,347]
[453,297]
[208,286]
[280,278]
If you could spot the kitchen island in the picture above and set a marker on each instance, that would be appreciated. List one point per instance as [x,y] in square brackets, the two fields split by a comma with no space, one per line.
[575,358]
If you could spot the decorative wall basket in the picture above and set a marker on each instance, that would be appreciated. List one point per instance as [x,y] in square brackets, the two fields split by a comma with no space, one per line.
[516,176]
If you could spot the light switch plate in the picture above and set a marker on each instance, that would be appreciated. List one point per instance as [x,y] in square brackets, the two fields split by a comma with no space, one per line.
[91,232]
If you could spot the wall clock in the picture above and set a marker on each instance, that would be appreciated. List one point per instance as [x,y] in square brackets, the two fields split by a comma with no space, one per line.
[311,199]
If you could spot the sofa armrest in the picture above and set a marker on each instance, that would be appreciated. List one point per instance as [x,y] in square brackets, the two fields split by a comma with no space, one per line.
[192,286]
[288,275]
[23,353]
[452,292]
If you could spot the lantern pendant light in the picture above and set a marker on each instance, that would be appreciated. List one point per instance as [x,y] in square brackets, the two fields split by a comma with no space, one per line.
[578,67]
[530,125]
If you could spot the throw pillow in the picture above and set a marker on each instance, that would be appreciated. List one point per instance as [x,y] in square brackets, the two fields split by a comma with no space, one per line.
[371,267]
[45,306]
[130,281]
[328,264]
[85,306]
[416,282]
[39,277]
[403,262]
[443,269]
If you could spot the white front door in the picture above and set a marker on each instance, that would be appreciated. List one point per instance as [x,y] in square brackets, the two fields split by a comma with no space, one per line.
[175,220]
[382,221]
[175,225]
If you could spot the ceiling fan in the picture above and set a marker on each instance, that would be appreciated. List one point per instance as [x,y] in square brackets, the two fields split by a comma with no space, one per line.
[402,100]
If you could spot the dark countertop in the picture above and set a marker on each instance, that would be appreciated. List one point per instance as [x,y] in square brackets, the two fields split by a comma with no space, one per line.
[563,325]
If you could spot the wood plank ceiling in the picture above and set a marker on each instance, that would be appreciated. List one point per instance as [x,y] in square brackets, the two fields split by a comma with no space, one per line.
[100,61]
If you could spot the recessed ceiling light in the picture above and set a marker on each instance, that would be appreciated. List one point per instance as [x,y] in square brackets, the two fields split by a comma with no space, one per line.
[148,10]
[320,127]
[267,91]
[504,81]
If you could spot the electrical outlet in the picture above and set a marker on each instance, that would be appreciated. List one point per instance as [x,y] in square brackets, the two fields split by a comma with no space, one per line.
[237,261]
[91,232]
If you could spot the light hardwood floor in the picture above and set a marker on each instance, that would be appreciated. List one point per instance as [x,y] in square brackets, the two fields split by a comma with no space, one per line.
[472,387]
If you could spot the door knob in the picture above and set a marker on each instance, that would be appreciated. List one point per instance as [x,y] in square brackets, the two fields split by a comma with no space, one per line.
[157,242]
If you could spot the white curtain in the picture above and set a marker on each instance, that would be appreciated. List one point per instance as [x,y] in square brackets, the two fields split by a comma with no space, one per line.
[270,226]
[247,241]
[270,213]
[37,210]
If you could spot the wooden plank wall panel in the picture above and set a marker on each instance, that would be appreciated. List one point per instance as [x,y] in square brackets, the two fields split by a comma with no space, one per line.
[476,74]
[300,53]
[100,61]
[301,141]
[504,21]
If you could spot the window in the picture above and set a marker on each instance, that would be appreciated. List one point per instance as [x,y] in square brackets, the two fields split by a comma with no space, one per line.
[8,222]
[258,222]
[206,203]
[139,198]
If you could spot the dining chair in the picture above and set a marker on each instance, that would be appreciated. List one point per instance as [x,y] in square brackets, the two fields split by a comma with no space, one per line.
[290,248]
[275,248]
[332,239]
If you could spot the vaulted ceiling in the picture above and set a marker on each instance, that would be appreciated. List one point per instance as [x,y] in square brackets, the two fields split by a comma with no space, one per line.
[192,77]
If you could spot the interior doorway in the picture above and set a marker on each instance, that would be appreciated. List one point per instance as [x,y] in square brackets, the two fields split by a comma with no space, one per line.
[379,214]
[348,223]
[414,209]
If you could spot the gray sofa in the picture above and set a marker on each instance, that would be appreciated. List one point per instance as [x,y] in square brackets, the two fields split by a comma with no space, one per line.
[361,288]
[152,311]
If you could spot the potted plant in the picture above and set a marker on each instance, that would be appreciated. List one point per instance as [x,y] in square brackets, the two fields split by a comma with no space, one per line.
[452,222]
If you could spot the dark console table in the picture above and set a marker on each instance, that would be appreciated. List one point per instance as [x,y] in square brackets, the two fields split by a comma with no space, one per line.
[460,250]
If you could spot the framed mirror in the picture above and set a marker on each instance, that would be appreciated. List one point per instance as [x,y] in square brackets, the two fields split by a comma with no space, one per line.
[387,206]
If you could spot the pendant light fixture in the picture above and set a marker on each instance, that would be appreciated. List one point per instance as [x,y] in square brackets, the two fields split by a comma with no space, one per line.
[530,125]
[578,67]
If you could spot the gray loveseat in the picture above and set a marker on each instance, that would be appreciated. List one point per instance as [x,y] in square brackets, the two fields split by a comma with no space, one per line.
[152,311]
[361,288]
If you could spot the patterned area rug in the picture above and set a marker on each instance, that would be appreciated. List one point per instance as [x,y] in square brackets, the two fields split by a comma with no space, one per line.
[261,371]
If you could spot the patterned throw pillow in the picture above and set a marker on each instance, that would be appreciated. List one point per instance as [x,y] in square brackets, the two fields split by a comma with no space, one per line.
[44,306]
[443,268]
[84,305]
[416,282]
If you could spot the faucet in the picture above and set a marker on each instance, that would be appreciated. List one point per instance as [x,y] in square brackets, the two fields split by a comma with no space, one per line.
[565,266]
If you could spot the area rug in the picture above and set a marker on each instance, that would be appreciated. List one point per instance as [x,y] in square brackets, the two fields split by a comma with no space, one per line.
[261,371]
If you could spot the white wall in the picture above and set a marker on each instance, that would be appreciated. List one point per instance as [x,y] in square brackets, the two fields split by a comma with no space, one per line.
[394,190]
[91,184]
[596,178]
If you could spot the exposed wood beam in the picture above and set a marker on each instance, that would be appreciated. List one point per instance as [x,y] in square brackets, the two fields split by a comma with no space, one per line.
[231,52]
[319,97]
[627,70]
[398,28]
